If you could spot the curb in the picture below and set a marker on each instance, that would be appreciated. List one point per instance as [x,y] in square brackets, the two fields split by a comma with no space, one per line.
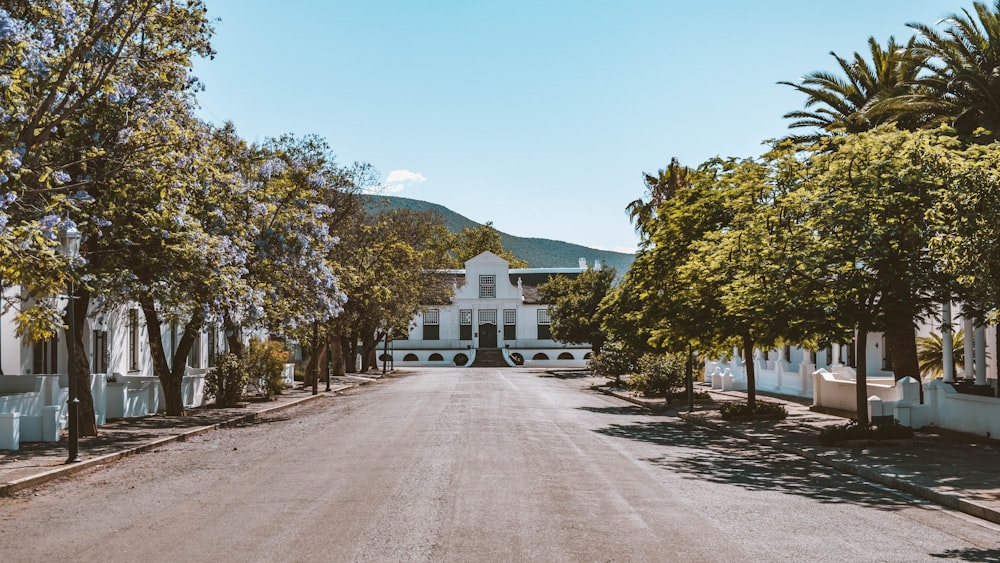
[946,500]
[6,489]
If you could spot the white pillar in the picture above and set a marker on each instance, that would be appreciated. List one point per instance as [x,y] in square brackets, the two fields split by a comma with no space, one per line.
[836,356]
[947,354]
[980,355]
[970,353]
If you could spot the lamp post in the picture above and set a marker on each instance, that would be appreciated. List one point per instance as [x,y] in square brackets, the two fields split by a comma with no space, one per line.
[69,246]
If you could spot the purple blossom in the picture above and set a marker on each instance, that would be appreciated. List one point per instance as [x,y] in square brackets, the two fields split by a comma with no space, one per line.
[48,222]
[9,27]
[61,177]
[83,197]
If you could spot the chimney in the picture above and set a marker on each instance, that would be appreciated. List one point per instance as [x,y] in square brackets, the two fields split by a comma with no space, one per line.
[583,263]
[598,264]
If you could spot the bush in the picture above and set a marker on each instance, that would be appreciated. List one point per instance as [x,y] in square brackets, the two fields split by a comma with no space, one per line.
[265,362]
[614,360]
[764,411]
[227,381]
[854,431]
[658,374]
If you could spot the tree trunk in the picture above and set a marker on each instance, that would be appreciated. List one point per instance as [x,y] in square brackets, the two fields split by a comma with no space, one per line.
[86,417]
[901,344]
[337,352]
[861,378]
[170,379]
[367,351]
[350,347]
[234,335]
[751,375]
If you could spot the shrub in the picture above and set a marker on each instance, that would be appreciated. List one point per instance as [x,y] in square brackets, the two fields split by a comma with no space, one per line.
[764,411]
[614,360]
[854,431]
[227,381]
[265,362]
[658,374]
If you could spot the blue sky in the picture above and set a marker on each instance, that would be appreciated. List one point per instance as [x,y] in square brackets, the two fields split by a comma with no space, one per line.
[540,116]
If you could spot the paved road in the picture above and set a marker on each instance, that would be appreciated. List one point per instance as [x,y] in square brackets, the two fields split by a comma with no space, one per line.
[477,465]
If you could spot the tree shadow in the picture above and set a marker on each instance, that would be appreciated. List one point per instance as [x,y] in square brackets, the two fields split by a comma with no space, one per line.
[634,410]
[971,554]
[700,454]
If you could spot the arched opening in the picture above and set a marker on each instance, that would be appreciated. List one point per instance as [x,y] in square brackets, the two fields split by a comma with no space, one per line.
[385,357]
[587,356]
[410,358]
[435,357]
[540,356]
[565,356]
[517,358]
[461,359]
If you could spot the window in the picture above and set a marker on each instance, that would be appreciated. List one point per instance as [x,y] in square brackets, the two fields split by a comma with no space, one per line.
[432,320]
[45,357]
[99,359]
[465,324]
[487,286]
[133,340]
[213,335]
[544,322]
[194,356]
[487,317]
[510,324]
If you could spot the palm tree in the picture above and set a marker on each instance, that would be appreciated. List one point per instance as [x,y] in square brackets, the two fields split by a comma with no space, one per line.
[863,97]
[962,84]
[929,353]
[659,188]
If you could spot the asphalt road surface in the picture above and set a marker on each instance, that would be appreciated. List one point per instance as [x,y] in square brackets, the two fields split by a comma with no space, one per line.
[477,465]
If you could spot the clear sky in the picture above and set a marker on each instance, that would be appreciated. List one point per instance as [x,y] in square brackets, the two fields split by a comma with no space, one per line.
[540,116]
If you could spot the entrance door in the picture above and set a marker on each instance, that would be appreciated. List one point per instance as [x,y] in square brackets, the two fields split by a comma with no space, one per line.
[488,328]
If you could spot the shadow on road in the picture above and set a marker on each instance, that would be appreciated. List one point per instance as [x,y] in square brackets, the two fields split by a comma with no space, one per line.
[971,554]
[695,453]
[634,410]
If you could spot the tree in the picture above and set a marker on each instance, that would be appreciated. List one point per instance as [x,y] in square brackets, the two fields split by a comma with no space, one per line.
[962,84]
[930,353]
[387,262]
[81,82]
[473,241]
[574,306]
[865,96]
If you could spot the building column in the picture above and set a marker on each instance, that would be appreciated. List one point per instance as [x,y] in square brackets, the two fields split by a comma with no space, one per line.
[980,355]
[970,353]
[947,352]
[836,356]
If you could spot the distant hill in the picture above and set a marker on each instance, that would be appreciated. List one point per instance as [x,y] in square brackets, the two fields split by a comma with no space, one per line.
[537,252]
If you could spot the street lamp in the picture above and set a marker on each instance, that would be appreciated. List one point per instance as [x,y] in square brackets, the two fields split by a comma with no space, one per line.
[69,246]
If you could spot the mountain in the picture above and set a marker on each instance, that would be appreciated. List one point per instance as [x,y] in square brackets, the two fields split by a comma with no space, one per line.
[537,252]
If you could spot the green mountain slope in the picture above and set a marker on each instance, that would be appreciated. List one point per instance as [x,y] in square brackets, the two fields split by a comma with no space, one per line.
[537,252]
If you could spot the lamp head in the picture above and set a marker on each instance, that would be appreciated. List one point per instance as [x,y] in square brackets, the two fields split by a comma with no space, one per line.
[69,241]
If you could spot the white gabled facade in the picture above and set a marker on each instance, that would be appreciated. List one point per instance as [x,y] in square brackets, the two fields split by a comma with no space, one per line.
[493,307]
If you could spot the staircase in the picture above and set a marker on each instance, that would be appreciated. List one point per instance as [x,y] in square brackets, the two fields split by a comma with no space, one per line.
[489,358]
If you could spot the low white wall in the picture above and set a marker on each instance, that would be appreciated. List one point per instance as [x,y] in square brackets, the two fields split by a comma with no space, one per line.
[946,408]
[838,390]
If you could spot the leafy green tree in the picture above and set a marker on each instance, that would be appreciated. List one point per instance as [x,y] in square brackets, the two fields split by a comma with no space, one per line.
[85,85]
[387,262]
[473,241]
[865,95]
[574,305]
[961,83]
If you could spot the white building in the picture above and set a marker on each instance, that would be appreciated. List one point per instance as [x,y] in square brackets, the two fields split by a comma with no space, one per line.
[493,318]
